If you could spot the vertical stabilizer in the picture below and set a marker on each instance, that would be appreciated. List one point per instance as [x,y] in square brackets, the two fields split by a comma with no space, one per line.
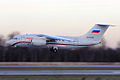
[96,32]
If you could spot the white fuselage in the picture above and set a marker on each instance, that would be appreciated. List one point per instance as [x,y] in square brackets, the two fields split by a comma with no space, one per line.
[33,40]
[92,37]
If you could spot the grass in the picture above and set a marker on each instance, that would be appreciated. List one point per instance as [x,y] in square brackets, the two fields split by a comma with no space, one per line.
[65,77]
[59,68]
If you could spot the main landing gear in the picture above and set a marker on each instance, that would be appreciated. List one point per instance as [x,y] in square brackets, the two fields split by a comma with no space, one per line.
[54,49]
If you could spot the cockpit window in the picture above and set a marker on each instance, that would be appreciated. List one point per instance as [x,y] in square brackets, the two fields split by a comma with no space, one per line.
[14,38]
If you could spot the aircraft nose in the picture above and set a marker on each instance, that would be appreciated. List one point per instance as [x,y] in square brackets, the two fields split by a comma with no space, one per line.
[8,42]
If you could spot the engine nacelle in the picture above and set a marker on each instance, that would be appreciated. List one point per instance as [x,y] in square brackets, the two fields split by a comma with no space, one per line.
[38,42]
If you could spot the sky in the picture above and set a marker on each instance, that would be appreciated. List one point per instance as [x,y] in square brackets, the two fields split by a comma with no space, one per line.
[60,17]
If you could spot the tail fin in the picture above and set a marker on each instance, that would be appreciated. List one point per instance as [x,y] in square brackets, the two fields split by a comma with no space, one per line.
[96,32]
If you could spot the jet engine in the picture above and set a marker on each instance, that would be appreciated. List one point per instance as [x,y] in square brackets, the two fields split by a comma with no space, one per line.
[38,42]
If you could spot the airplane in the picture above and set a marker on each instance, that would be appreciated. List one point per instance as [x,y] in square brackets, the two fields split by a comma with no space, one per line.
[54,43]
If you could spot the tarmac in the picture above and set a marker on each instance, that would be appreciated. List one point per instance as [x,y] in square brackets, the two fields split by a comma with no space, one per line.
[61,72]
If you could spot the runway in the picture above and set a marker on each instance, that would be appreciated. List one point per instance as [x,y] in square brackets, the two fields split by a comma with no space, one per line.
[61,72]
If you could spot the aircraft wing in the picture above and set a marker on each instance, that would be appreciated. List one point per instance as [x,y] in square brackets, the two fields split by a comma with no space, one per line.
[54,37]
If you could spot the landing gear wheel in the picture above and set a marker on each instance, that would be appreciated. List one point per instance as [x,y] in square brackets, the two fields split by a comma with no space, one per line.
[54,49]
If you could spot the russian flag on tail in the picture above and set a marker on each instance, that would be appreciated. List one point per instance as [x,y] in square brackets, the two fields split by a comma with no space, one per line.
[96,31]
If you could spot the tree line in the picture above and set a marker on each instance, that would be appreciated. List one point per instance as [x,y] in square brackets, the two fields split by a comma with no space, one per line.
[17,54]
